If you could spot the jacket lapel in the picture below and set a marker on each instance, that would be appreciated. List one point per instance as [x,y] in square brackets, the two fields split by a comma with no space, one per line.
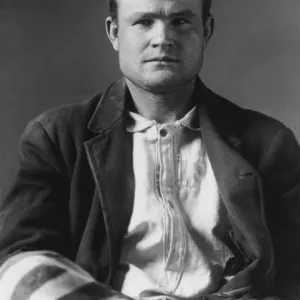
[240,190]
[109,153]
[238,182]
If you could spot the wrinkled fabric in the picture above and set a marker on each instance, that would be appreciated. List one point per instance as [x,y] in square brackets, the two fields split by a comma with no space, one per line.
[70,194]
[172,242]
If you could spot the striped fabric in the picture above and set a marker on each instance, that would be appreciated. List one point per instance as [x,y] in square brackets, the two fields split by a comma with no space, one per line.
[45,275]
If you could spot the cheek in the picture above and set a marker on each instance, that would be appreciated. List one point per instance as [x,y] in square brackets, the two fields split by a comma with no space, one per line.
[130,40]
[129,54]
[130,50]
[193,47]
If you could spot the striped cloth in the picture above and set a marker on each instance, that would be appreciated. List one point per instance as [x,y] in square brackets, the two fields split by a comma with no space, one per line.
[46,275]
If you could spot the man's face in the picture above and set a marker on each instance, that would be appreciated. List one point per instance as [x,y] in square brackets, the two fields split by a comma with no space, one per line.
[160,42]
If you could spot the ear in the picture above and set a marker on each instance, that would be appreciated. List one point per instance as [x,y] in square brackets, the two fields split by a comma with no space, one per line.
[209,27]
[112,31]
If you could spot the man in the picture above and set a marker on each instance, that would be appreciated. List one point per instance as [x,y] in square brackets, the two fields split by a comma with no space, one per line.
[156,188]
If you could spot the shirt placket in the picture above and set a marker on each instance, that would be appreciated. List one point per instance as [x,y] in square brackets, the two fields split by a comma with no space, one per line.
[174,239]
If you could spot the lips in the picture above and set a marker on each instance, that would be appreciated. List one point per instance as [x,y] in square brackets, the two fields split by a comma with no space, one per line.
[163,59]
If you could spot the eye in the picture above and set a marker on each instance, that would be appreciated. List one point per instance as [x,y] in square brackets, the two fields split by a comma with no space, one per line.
[180,21]
[144,22]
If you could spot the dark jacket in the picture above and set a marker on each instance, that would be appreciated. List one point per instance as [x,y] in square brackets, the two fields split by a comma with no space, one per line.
[73,193]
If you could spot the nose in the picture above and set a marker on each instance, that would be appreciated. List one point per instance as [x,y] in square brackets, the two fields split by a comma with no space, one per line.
[162,35]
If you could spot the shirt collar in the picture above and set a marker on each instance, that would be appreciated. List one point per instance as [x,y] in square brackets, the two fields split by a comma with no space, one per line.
[138,123]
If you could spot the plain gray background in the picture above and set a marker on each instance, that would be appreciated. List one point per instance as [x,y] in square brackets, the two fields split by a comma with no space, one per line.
[56,52]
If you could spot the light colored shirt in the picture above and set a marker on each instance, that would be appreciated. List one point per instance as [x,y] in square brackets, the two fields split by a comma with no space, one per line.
[172,243]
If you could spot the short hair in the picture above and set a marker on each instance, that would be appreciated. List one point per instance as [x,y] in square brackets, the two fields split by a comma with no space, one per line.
[113,8]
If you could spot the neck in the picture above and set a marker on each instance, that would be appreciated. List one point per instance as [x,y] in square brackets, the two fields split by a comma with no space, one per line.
[163,108]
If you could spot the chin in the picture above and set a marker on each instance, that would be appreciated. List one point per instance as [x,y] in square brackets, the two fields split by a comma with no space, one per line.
[162,83]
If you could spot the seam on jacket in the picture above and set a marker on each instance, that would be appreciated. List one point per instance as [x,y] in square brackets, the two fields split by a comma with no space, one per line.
[53,146]
[270,147]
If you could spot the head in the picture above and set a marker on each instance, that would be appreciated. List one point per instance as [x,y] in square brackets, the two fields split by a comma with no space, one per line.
[206,6]
[160,42]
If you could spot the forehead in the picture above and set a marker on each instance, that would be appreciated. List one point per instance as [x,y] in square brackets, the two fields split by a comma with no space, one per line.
[128,7]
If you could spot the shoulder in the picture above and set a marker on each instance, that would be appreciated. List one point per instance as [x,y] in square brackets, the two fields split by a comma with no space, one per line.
[65,121]
[260,129]
[243,119]
[246,123]
[260,135]
[71,115]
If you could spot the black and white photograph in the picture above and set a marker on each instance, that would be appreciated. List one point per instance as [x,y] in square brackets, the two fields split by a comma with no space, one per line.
[149,150]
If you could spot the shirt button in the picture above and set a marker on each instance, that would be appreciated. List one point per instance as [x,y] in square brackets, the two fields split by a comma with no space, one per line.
[163,132]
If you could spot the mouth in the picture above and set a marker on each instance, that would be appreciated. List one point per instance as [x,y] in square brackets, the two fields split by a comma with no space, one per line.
[164,59]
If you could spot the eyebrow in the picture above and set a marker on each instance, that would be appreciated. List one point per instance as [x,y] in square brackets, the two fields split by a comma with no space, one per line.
[145,15]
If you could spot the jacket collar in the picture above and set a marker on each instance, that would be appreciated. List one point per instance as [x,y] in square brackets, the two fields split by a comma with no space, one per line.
[111,108]
[224,115]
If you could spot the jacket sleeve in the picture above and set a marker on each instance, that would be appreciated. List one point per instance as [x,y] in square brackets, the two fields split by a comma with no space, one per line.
[34,215]
[36,249]
[281,183]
